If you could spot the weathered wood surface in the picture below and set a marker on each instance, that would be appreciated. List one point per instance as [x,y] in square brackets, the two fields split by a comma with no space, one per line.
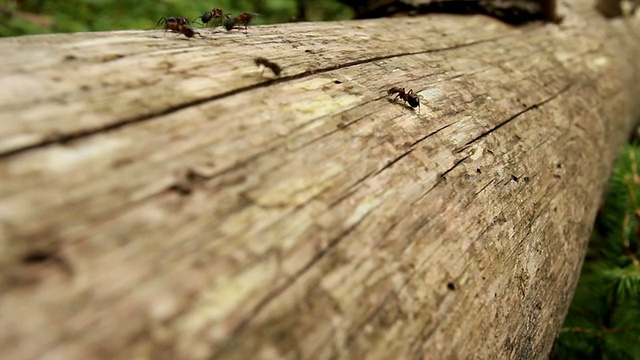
[159,198]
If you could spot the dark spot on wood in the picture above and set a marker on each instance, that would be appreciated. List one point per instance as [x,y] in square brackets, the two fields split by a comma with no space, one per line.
[450,286]
[85,88]
[69,58]
[192,175]
[557,176]
[38,265]
[122,162]
[514,178]
[337,82]
[309,51]
[479,171]
[181,188]
[108,58]
[558,166]
[526,179]
[199,263]
[233,180]
[484,278]
[38,257]
[57,137]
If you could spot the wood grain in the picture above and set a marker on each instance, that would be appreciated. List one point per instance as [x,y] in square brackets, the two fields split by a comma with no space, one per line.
[161,198]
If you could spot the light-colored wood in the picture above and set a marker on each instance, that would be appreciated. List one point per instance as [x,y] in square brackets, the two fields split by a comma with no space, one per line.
[161,198]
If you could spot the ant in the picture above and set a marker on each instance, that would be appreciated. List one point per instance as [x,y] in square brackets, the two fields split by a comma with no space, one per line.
[260,61]
[180,20]
[408,97]
[243,19]
[178,24]
[215,14]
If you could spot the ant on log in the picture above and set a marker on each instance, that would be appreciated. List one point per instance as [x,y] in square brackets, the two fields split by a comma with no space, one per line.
[260,61]
[215,14]
[173,19]
[408,97]
[178,24]
[243,19]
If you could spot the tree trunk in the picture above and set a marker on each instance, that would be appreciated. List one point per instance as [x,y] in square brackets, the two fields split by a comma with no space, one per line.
[160,197]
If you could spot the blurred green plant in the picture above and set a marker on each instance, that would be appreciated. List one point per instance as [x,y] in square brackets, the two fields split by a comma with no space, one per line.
[23,17]
[604,318]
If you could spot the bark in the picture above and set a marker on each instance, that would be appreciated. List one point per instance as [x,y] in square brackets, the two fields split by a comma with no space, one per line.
[510,11]
[161,198]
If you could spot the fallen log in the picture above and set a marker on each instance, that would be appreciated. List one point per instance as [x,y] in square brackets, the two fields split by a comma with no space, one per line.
[163,197]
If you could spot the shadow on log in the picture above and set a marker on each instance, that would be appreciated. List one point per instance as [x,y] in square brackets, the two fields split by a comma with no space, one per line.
[162,197]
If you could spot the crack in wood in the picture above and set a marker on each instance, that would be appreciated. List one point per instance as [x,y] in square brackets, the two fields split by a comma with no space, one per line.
[392,162]
[484,187]
[353,335]
[272,295]
[440,179]
[339,126]
[513,117]
[73,136]
[443,176]
[351,190]
[394,293]
[430,134]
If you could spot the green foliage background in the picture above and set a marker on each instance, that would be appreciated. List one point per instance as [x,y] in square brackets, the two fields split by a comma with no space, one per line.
[22,17]
[604,318]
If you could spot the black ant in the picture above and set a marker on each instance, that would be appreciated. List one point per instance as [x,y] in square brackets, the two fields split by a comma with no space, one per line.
[178,24]
[260,61]
[173,19]
[408,97]
[243,19]
[215,14]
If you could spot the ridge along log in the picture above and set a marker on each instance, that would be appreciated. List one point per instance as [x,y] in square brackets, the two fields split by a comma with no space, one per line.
[160,198]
